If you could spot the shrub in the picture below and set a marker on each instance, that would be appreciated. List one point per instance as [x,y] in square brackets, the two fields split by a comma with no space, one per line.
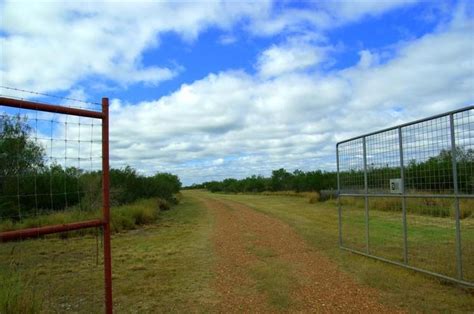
[314,198]
[163,204]
[125,217]
[130,216]
[326,195]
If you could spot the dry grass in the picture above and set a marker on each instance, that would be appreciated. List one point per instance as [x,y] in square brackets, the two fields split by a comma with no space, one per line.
[313,197]
[317,223]
[125,217]
[165,266]
[169,266]
[435,207]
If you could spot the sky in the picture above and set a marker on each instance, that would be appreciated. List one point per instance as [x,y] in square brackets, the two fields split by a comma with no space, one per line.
[215,89]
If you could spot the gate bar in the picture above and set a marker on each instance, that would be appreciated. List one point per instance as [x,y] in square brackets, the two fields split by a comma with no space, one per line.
[456,200]
[39,231]
[16,103]
[408,195]
[106,206]
[451,279]
[441,115]
[339,208]
[366,189]
[404,199]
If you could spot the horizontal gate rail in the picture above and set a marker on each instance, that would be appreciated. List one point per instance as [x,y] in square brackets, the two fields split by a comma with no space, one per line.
[23,104]
[40,231]
[408,124]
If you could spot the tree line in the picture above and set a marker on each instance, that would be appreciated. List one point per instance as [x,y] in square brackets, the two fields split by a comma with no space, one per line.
[431,175]
[29,185]
[280,180]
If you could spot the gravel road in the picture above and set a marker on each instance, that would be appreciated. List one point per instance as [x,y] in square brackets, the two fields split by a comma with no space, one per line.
[245,239]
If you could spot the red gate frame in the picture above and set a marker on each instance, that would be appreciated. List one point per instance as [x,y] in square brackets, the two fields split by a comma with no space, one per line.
[105,221]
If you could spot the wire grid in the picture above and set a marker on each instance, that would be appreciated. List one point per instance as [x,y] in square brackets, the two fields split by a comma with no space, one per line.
[383,160]
[464,138]
[428,235]
[52,164]
[53,275]
[50,173]
[431,239]
[428,141]
[386,227]
[353,223]
[351,166]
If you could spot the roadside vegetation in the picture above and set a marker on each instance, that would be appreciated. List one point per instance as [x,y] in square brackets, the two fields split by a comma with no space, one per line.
[34,193]
[432,176]
[167,265]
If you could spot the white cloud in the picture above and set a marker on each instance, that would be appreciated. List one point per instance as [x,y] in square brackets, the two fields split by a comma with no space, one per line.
[227,39]
[233,123]
[349,11]
[254,124]
[320,15]
[437,68]
[63,43]
[289,57]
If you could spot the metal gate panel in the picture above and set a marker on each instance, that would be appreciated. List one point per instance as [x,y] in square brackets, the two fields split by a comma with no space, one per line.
[406,195]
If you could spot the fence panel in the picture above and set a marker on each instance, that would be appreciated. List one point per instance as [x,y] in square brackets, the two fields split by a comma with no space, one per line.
[54,179]
[406,195]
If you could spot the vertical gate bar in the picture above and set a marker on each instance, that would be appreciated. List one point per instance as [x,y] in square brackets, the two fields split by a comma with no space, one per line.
[404,199]
[339,209]
[106,207]
[456,199]
[366,189]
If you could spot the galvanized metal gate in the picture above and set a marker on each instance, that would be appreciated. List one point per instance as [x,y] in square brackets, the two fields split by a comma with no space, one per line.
[406,195]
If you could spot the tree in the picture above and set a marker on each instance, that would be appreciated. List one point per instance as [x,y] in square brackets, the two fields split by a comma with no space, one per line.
[18,153]
[19,156]
[280,180]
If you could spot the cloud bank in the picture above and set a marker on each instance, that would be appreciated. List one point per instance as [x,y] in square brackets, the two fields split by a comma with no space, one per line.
[289,112]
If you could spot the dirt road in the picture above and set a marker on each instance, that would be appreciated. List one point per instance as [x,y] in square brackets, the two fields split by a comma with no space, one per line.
[264,266]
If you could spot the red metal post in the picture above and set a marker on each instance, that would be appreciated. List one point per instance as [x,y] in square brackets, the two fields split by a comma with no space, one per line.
[106,206]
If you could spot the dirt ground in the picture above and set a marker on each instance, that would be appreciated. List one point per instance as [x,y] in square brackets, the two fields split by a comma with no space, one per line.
[264,266]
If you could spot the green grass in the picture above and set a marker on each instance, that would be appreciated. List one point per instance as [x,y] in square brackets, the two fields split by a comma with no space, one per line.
[431,246]
[273,277]
[166,266]
[429,206]
[15,296]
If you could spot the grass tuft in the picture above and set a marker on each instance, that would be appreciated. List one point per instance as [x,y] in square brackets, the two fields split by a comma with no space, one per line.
[16,295]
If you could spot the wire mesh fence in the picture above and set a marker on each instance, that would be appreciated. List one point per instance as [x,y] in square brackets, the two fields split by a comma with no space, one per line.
[406,195]
[53,187]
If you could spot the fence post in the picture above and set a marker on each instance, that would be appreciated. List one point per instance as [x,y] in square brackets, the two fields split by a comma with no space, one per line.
[106,206]
[404,200]
[366,197]
[456,198]
[339,209]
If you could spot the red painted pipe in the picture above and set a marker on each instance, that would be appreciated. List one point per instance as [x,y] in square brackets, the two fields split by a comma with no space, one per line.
[37,232]
[106,207]
[16,103]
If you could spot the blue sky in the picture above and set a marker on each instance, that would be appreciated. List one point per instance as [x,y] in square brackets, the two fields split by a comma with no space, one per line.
[214,89]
